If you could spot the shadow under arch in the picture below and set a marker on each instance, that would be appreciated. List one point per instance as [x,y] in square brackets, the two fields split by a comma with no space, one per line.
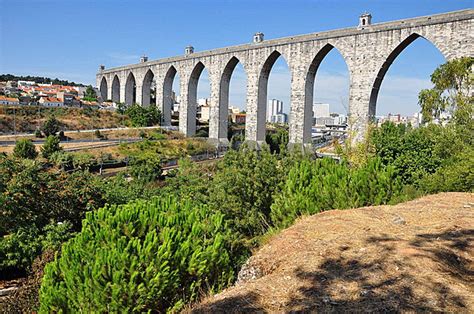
[116,89]
[146,87]
[386,65]
[130,90]
[103,88]
[224,86]
[263,91]
[168,99]
[309,88]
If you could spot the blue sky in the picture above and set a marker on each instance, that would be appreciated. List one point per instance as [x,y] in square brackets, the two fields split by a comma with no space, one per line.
[68,39]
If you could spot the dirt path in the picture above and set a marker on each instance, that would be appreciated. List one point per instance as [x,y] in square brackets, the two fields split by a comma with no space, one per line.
[415,256]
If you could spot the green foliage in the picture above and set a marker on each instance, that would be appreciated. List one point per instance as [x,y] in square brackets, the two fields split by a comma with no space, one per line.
[50,127]
[25,148]
[90,94]
[19,249]
[83,160]
[317,185]
[32,198]
[456,174]
[412,152]
[141,116]
[38,133]
[451,92]
[61,159]
[144,256]
[277,140]
[145,167]
[50,146]
[244,186]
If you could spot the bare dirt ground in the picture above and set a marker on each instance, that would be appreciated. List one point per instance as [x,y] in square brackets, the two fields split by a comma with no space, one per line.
[412,257]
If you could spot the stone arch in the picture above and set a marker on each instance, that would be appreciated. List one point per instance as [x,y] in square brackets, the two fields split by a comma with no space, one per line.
[386,65]
[130,89]
[103,88]
[224,86]
[309,87]
[148,84]
[116,89]
[168,99]
[262,92]
[192,98]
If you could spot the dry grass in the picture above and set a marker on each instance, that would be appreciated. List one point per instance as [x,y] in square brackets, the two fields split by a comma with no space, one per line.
[416,256]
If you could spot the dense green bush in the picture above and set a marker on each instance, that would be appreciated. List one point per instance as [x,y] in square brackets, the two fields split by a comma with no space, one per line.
[317,185]
[244,186]
[19,249]
[25,148]
[50,146]
[141,116]
[144,256]
[50,127]
[146,167]
[456,174]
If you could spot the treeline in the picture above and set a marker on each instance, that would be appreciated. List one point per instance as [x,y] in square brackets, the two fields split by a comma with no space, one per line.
[38,79]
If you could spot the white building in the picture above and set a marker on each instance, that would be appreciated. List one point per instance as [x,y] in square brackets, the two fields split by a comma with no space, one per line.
[275,112]
[51,102]
[9,101]
[320,110]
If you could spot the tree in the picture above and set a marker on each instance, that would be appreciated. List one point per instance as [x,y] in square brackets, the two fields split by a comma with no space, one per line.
[145,256]
[90,94]
[51,126]
[25,148]
[143,116]
[50,146]
[453,83]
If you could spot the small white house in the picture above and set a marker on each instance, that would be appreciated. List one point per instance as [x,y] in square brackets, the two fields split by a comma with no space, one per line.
[51,102]
[9,101]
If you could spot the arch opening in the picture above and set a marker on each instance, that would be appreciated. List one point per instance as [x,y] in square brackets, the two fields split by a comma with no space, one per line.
[103,89]
[198,111]
[405,72]
[232,99]
[326,96]
[274,86]
[130,90]
[171,91]
[116,89]
[149,89]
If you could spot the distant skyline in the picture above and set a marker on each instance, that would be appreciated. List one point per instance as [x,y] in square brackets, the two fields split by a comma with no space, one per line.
[68,39]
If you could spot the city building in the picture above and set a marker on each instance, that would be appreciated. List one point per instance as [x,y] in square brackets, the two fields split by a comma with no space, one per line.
[320,110]
[275,112]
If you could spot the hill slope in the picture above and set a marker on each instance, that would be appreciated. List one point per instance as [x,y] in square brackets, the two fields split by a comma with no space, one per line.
[417,256]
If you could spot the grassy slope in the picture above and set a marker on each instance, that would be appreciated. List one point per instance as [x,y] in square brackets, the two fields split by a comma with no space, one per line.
[28,118]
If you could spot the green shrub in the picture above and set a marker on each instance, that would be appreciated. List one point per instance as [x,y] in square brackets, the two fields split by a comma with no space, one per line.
[145,167]
[62,159]
[50,146]
[50,127]
[19,249]
[144,256]
[323,184]
[244,186]
[25,149]
[456,174]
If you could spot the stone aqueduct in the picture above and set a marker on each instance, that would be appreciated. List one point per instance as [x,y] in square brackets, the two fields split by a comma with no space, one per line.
[368,51]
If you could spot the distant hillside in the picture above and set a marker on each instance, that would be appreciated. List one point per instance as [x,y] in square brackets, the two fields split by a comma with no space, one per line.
[38,79]
[26,119]
[412,257]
